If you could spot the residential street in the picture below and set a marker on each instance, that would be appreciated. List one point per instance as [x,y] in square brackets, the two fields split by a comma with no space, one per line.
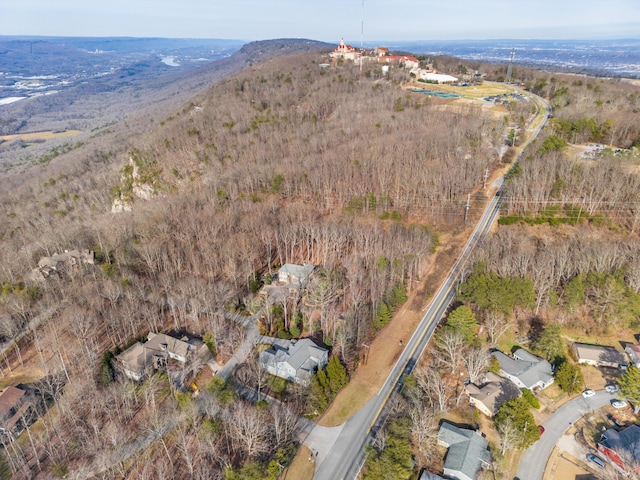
[534,460]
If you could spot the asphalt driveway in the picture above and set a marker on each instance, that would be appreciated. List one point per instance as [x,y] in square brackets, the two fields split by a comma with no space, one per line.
[534,460]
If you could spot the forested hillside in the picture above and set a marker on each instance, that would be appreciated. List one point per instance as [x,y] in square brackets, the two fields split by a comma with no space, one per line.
[285,162]
[561,267]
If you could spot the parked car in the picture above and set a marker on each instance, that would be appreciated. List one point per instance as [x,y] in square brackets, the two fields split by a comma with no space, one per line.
[619,404]
[541,429]
[588,393]
[612,388]
[595,459]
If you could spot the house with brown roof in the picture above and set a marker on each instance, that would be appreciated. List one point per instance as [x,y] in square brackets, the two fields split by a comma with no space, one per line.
[60,263]
[599,355]
[143,358]
[15,410]
[492,391]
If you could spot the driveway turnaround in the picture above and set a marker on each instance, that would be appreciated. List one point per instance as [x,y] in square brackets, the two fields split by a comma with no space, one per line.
[535,459]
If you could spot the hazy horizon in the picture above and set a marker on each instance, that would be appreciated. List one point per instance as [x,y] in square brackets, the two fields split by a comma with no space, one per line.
[329,20]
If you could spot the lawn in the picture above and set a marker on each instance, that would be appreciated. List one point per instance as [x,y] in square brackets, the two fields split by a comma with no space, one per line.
[35,136]
[473,92]
[302,467]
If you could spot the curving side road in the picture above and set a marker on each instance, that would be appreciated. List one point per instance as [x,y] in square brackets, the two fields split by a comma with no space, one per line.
[534,460]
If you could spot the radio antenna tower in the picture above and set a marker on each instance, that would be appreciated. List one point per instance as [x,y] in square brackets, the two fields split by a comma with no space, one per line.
[362,40]
[510,67]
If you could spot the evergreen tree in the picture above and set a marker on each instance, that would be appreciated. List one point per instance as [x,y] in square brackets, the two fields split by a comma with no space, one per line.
[630,384]
[574,292]
[383,316]
[488,290]
[518,413]
[550,344]
[395,462]
[337,375]
[569,378]
[463,321]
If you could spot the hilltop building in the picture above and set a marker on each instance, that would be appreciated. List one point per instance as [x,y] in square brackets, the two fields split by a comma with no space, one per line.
[345,51]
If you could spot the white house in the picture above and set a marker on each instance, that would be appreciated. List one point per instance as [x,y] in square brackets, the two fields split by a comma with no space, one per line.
[599,355]
[525,369]
[133,362]
[295,275]
[294,360]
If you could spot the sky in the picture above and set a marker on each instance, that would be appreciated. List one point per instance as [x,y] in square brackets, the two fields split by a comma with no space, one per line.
[325,20]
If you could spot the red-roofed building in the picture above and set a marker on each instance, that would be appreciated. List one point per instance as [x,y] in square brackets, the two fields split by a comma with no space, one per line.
[622,448]
[381,51]
[407,61]
[345,51]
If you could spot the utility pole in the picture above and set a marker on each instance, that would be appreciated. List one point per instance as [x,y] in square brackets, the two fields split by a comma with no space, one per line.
[467,207]
[366,353]
[510,67]
[362,40]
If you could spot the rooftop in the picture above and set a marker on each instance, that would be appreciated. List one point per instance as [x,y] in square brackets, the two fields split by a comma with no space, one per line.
[599,353]
[467,449]
[529,368]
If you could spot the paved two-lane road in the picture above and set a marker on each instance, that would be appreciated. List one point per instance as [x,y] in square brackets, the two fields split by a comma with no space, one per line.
[534,460]
[344,458]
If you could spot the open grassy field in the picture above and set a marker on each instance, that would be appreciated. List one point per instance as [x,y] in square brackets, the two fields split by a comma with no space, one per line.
[36,136]
[473,92]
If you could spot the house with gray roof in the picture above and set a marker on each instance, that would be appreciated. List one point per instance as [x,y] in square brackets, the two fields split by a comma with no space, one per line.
[296,276]
[490,393]
[294,360]
[634,353]
[599,355]
[525,369]
[467,452]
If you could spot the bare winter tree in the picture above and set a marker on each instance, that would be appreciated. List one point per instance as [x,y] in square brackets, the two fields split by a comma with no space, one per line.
[510,436]
[251,374]
[435,387]
[285,425]
[249,430]
[424,429]
[451,343]
[496,324]
[476,360]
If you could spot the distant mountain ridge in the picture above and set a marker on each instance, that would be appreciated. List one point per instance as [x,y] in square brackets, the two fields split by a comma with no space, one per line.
[112,87]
